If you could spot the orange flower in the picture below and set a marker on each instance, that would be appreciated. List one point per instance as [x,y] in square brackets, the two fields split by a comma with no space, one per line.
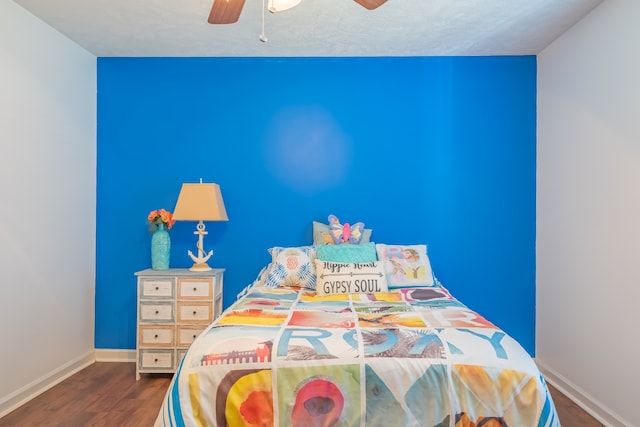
[160,216]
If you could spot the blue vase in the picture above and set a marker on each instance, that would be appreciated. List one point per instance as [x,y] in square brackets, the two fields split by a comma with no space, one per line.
[160,248]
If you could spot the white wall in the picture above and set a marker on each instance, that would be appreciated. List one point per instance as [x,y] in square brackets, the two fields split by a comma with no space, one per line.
[588,215]
[47,204]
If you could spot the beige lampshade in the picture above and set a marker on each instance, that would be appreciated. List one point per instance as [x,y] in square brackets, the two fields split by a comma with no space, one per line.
[200,202]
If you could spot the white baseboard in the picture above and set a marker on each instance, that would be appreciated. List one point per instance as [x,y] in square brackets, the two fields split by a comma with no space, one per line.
[581,398]
[115,355]
[44,383]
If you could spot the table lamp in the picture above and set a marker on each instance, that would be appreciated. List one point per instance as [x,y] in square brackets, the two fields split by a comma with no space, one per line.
[200,202]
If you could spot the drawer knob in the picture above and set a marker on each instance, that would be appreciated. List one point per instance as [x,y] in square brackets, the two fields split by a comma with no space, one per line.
[155,360]
[194,336]
[194,312]
[157,312]
[156,336]
[195,289]
[157,288]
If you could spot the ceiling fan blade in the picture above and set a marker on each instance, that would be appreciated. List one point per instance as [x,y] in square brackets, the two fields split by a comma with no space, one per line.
[225,11]
[371,4]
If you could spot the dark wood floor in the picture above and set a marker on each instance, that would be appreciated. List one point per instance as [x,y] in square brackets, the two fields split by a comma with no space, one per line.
[103,394]
[570,414]
[107,394]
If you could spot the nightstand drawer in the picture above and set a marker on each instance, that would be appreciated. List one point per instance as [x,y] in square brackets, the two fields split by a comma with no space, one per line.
[156,311]
[195,288]
[161,336]
[186,334]
[156,288]
[198,312]
[155,359]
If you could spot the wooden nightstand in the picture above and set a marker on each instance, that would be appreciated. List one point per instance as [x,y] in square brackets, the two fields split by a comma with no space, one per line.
[174,306]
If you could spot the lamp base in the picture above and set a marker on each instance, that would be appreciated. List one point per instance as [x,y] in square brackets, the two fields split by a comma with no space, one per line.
[200,267]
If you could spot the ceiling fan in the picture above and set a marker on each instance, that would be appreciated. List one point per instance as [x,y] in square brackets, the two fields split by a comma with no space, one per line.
[228,11]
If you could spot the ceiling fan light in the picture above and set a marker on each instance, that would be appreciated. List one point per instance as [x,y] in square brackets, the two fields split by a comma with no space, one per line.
[371,4]
[279,5]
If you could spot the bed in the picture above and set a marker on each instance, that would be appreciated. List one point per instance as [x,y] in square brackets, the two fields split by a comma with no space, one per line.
[334,343]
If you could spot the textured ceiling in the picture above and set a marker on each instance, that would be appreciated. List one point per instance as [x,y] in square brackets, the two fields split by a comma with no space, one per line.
[313,28]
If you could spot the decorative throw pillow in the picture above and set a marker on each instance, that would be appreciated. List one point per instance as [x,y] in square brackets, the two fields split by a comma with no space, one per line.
[349,278]
[364,252]
[292,267]
[406,265]
[322,234]
[345,233]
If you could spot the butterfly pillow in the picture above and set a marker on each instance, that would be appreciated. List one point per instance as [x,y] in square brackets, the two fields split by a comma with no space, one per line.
[322,235]
[345,233]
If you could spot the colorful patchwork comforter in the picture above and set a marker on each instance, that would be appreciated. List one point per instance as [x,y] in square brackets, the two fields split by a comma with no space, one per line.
[409,357]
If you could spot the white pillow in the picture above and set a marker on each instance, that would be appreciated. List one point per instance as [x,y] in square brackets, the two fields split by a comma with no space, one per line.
[406,265]
[334,278]
[292,267]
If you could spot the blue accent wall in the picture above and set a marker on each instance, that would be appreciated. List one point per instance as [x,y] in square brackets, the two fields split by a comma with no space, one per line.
[435,150]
